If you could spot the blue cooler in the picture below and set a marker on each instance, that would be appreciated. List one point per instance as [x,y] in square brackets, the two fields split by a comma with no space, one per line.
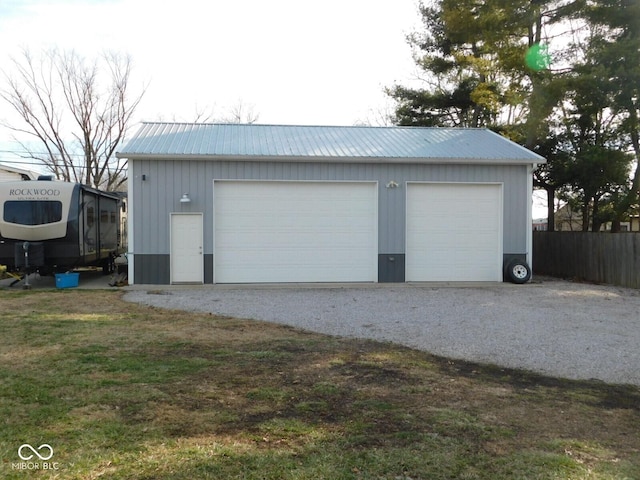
[67,280]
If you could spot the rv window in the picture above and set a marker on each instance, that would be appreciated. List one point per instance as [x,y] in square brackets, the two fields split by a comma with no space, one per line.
[32,212]
[91,217]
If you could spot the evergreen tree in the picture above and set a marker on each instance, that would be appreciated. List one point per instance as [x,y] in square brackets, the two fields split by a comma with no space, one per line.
[560,77]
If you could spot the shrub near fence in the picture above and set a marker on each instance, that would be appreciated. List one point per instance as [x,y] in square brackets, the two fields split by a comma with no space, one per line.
[612,258]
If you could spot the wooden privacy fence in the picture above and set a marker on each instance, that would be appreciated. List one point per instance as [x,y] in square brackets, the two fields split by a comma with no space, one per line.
[612,258]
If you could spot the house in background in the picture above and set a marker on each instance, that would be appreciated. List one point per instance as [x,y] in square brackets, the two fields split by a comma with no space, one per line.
[569,220]
[9,173]
[220,203]
[540,224]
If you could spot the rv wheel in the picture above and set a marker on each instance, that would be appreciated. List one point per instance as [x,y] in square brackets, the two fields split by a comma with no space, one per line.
[518,271]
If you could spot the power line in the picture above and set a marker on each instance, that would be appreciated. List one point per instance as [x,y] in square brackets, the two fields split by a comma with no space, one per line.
[35,163]
[20,153]
[20,162]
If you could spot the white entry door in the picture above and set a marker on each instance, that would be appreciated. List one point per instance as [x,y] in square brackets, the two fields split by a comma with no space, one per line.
[187,264]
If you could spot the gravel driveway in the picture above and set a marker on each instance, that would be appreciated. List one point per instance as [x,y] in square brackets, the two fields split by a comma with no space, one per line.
[550,326]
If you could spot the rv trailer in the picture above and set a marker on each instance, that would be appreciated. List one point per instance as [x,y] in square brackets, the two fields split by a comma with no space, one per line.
[53,226]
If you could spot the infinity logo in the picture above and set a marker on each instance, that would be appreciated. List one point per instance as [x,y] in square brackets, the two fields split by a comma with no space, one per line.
[28,447]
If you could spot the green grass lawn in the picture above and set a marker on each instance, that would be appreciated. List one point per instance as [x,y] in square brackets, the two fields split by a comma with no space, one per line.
[122,391]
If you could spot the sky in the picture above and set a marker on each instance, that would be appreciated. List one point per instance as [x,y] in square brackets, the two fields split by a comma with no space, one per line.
[288,61]
[293,62]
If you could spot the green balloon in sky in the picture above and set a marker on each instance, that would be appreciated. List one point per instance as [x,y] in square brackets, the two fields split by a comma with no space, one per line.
[537,57]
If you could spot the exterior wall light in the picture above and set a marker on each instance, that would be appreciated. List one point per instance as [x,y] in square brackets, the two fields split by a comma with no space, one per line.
[185,198]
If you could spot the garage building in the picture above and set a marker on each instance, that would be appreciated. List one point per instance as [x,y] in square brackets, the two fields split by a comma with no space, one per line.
[233,203]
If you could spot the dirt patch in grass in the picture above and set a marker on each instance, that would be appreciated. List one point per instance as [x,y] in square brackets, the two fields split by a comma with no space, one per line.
[139,392]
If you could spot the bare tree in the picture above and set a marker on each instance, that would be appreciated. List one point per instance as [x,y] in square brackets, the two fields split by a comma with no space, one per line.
[77,110]
[240,112]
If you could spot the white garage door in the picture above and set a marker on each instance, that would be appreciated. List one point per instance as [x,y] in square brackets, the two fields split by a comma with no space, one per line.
[454,232]
[295,232]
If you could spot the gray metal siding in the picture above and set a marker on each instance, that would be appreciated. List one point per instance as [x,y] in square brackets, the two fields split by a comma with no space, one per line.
[152,269]
[391,268]
[166,180]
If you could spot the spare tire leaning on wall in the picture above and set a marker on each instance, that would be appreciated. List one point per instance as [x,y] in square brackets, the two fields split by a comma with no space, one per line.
[518,271]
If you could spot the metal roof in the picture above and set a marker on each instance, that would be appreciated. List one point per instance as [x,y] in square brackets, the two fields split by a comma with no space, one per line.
[323,143]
